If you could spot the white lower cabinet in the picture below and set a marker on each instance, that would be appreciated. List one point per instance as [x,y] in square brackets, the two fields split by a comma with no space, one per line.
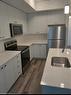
[43,51]
[17,67]
[31,52]
[38,51]
[2,80]
[9,73]
[1,46]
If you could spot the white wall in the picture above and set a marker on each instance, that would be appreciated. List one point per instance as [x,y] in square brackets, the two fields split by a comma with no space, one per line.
[10,15]
[38,22]
[69,32]
[70,6]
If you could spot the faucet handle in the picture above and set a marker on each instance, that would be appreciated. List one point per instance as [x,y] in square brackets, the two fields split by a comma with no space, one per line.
[63,50]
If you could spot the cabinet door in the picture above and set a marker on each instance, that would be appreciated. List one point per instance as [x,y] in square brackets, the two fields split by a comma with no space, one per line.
[43,51]
[19,65]
[2,82]
[1,46]
[9,74]
[36,51]
[40,51]
[31,52]
[14,61]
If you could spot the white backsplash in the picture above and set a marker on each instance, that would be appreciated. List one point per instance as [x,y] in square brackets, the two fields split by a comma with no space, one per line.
[30,37]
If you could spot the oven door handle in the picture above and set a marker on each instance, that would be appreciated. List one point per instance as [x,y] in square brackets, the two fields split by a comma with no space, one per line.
[25,50]
[10,45]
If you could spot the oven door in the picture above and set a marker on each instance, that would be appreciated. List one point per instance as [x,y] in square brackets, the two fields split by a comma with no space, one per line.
[25,56]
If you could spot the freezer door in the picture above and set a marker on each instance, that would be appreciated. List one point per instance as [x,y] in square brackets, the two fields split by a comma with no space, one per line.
[56,43]
[56,32]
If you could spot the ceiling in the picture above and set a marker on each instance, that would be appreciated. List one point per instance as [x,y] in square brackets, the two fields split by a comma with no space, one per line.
[40,5]
[50,4]
[41,0]
[19,4]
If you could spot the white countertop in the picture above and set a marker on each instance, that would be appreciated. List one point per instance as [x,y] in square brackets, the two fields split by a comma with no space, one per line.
[57,76]
[30,42]
[7,55]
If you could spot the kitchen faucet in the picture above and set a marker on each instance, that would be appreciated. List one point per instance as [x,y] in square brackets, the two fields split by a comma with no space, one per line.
[63,50]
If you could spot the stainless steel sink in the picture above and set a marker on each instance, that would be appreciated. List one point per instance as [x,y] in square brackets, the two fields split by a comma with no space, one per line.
[60,62]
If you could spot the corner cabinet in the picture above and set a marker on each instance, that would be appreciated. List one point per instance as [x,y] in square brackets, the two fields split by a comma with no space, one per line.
[38,51]
[9,73]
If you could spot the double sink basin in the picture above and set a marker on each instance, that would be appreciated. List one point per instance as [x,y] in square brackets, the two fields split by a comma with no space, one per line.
[60,62]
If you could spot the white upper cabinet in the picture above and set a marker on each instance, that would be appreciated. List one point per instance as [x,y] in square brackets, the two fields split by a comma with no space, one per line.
[4,26]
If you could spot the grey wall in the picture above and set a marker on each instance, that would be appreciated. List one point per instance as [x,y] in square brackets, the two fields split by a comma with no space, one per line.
[38,22]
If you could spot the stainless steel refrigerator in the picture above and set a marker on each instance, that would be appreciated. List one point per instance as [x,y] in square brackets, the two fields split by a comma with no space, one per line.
[56,36]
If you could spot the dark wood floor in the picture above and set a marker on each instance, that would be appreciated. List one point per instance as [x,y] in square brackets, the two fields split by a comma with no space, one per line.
[29,82]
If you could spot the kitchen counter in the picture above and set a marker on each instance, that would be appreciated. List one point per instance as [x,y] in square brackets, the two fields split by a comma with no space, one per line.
[7,55]
[29,43]
[57,76]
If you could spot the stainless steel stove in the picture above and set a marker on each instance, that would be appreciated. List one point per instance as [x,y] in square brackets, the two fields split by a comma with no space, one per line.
[25,55]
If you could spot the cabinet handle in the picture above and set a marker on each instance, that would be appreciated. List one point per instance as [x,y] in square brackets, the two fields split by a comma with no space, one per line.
[5,66]
[1,68]
[18,72]
[17,56]
[18,66]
